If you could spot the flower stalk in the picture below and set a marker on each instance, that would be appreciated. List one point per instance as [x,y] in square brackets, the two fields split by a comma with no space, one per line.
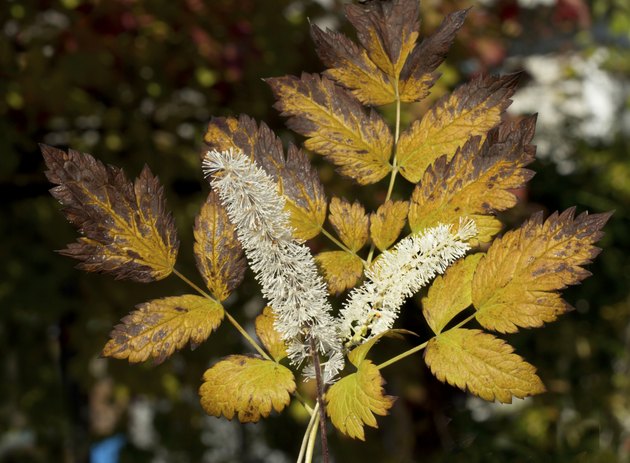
[396,275]
[284,267]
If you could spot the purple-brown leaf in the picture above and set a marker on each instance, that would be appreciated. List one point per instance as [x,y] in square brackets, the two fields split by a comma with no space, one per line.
[126,228]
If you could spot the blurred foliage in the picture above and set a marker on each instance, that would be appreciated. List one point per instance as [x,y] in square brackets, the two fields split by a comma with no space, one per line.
[136,82]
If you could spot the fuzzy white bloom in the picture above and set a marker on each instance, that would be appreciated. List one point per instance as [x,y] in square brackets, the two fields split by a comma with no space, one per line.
[283,266]
[398,274]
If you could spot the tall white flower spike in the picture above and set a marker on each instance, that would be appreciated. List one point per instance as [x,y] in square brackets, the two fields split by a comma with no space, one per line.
[283,266]
[398,274]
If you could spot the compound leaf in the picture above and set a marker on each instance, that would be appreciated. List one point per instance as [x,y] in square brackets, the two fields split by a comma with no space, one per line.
[269,336]
[341,269]
[297,179]
[418,74]
[516,283]
[218,252]
[125,226]
[161,326]
[483,364]
[450,293]
[477,181]
[388,53]
[353,401]
[472,109]
[350,222]
[387,223]
[335,125]
[245,386]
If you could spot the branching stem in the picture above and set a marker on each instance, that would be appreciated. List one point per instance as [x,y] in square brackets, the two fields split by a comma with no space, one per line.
[231,319]
[392,178]
[342,246]
[420,347]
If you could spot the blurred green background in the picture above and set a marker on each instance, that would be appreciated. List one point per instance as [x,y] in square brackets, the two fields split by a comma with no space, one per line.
[136,82]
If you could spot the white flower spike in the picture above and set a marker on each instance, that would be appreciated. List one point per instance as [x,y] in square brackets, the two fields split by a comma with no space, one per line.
[398,274]
[283,266]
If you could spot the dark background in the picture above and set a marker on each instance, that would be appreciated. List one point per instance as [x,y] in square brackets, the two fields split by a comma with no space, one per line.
[136,82]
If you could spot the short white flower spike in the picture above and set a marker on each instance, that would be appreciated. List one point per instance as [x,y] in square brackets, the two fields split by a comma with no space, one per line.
[398,274]
[283,266]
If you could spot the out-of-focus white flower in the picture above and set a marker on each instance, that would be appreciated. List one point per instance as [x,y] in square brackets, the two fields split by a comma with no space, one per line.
[575,98]
[283,266]
[398,274]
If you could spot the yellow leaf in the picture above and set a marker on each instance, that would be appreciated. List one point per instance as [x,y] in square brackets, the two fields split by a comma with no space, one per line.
[417,75]
[516,283]
[477,182]
[353,401]
[387,223]
[248,387]
[350,66]
[450,293]
[335,125]
[269,336]
[341,269]
[306,201]
[483,364]
[125,226]
[297,179]
[218,253]
[350,222]
[472,109]
[387,30]
[160,327]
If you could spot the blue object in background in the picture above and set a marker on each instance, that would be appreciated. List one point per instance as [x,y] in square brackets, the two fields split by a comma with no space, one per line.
[107,450]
